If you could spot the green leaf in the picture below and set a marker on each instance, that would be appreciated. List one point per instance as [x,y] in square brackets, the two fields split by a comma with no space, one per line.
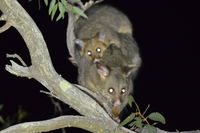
[131,124]
[73,9]
[78,11]
[62,11]
[46,2]
[61,7]
[150,129]
[155,116]
[128,119]
[51,7]
[54,11]
[68,7]
[138,122]
[21,114]
[138,119]
[59,16]
[1,107]
[139,125]
[1,120]
[130,100]
[64,2]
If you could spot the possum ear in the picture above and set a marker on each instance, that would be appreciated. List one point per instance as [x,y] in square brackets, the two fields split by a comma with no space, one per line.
[128,70]
[79,46]
[79,43]
[73,61]
[102,36]
[103,71]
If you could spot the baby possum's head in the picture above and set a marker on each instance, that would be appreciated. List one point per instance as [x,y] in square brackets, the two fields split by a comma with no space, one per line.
[93,48]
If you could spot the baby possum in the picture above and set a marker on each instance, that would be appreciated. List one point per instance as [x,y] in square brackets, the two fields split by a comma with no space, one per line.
[94,47]
[100,30]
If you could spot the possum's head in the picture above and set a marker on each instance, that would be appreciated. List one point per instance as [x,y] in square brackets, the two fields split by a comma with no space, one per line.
[93,48]
[117,86]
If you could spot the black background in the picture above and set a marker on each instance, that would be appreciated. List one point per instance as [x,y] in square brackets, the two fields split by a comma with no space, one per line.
[167,32]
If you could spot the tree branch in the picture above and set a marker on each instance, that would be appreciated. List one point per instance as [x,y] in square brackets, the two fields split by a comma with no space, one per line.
[100,125]
[70,34]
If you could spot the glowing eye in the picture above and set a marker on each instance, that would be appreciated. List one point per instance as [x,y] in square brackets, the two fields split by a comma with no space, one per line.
[98,50]
[123,90]
[89,53]
[111,90]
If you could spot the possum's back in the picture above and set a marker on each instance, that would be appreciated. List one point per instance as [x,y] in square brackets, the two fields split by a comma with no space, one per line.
[102,17]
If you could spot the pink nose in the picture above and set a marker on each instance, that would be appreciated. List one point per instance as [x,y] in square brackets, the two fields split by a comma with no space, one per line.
[96,60]
[117,102]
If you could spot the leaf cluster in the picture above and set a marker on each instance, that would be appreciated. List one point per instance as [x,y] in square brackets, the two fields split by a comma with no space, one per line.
[63,6]
[137,120]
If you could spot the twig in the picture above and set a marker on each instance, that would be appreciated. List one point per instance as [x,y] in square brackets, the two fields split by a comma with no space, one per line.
[146,110]
[18,70]
[57,107]
[16,56]
[5,27]
[91,3]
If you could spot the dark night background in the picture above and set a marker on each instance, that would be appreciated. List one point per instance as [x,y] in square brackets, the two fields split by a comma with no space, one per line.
[167,32]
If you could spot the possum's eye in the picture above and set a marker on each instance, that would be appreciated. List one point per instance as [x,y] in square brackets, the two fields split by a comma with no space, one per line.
[89,53]
[123,90]
[98,50]
[111,90]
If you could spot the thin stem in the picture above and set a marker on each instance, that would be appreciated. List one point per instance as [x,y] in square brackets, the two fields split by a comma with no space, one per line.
[137,107]
[146,109]
[143,118]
